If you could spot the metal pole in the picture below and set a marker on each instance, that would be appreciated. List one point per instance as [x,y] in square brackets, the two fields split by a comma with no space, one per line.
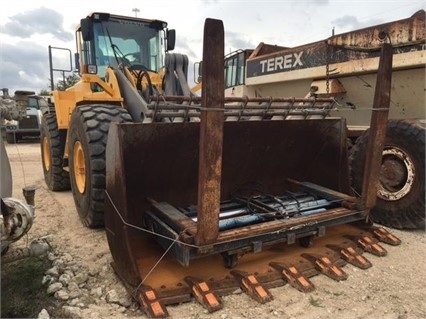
[136,10]
[52,86]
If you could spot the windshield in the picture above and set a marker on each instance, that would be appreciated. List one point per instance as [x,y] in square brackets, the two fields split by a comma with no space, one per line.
[33,102]
[37,102]
[234,70]
[137,41]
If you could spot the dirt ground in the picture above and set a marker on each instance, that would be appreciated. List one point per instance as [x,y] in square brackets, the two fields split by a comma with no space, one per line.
[395,287]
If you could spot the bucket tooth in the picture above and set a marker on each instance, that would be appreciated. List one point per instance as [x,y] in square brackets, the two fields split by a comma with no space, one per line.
[251,285]
[386,237]
[203,293]
[150,303]
[371,245]
[293,276]
[324,265]
[352,255]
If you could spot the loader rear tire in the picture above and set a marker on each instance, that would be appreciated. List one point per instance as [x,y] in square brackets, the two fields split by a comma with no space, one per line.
[88,135]
[401,194]
[52,142]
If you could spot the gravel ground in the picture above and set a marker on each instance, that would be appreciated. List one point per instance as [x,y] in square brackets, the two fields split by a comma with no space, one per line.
[82,279]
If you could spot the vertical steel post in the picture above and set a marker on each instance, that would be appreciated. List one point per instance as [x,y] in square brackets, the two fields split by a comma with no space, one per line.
[211,133]
[52,84]
[378,125]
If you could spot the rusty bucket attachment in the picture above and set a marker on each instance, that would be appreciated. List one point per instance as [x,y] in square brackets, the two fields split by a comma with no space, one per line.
[268,183]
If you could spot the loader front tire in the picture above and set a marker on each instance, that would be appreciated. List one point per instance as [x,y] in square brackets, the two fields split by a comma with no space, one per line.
[88,135]
[52,142]
[401,191]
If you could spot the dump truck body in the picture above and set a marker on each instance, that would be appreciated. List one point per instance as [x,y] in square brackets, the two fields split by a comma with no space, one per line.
[189,186]
[348,62]
[345,67]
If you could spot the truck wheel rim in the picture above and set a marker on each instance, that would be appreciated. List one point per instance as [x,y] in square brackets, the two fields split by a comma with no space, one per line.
[396,175]
[46,154]
[79,167]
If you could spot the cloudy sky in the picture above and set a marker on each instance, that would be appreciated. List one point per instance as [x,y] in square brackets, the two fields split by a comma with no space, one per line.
[28,27]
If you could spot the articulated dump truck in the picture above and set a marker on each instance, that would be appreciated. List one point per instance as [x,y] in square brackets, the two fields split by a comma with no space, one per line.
[202,195]
[345,67]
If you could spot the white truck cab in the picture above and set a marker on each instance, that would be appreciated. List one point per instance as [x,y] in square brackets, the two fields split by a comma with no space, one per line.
[32,107]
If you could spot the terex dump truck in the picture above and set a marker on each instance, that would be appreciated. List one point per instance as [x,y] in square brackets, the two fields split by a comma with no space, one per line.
[189,187]
[344,67]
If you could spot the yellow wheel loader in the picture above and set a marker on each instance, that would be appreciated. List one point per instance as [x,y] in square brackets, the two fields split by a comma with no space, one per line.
[120,61]
[204,195]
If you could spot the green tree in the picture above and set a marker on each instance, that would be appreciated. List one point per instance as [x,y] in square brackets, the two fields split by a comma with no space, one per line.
[69,81]
[44,92]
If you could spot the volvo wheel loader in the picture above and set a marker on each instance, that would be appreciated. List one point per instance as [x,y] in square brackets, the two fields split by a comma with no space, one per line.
[204,195]
[344,66]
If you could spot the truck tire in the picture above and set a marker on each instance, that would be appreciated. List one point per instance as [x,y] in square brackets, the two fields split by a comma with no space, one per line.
[52,142]
[88,135]
[11,138]
[401,194]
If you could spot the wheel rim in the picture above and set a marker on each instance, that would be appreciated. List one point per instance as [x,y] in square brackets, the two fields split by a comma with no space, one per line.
[46,154]
[396,175]
[79,167]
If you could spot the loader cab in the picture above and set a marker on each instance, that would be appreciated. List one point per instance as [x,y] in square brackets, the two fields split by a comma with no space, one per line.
[109,40]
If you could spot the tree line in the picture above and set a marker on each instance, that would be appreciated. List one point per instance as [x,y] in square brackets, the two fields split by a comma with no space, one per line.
[63,84]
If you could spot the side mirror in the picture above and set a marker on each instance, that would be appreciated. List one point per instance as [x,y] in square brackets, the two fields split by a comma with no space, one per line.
[171,39]
[77,61]
[200,71]
[86,26]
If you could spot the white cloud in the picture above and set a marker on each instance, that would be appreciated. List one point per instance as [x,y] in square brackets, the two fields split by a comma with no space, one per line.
[281,22]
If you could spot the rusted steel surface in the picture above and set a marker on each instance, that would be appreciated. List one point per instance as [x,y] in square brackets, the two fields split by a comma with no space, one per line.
[291,275]
[238,108]
[251,285]
[157,171]
[159,161]
[231,99]
[211,133]
[378,124]
[401,32]
[352,255]
[264,48]
[406,35]
[203,293]
[152,305]
[386,237]
[116,215]
[324,265]
[168,278]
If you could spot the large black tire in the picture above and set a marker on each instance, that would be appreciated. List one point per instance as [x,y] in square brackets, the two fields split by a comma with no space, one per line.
[52,142]
[88,135]
[401,194]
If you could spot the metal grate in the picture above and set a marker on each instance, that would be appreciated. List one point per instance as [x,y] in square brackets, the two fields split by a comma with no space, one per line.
[182,109]
[29,122]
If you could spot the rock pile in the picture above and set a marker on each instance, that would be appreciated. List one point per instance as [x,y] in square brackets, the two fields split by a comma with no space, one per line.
[82,291]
